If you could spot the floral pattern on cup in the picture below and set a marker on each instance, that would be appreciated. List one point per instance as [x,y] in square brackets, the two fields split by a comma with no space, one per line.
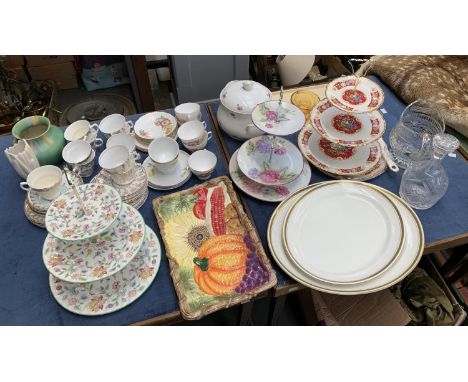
[65,220]
[271,117]
[91,260]
[115,292]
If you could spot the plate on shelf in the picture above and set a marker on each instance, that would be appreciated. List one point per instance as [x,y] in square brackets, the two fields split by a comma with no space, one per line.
[344,128]
[277,118]
[267,193]
[337,159]
[355,94]
[154,125]
[65,220]
[115,292]
[411,253]
[343,232]
[97,258]
[179,176]
[270,160]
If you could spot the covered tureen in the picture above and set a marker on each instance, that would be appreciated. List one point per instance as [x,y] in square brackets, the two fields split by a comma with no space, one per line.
[238,99]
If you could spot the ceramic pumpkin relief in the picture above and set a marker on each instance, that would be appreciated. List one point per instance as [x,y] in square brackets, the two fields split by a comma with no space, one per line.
[215,256]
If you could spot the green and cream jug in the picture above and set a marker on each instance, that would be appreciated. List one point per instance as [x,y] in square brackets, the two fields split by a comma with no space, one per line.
[45,139]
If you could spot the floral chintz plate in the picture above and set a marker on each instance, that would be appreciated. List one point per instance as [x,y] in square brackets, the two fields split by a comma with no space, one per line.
[270,160]
[93,259]
[355,94]
[278,118]
[267,193]
[66,221]
[115,292]
[345,128]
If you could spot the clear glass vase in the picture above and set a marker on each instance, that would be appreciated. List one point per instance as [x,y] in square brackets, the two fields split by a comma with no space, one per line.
[425,182]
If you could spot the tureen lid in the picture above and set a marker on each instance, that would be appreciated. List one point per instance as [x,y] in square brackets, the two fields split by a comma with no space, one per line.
[242,96]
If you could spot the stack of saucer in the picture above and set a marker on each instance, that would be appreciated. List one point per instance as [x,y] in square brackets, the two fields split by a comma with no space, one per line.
[134,193]
[269,168]
[101,259]
[35,206]
[342,138]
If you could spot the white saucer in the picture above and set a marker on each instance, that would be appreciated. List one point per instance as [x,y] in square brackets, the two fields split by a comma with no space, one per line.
[178,177]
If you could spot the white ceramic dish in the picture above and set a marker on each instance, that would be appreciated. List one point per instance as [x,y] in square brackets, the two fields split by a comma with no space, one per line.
[337,159]
[278,119]
[267,193]
[176,178]
[202,163]
[343,232]
[412,250]
[361,98]
[270,160]
[155,125]
[92,260]
[344,128]
[115,292]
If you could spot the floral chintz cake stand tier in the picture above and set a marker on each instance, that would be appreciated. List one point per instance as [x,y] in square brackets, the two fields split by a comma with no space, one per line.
[65,219]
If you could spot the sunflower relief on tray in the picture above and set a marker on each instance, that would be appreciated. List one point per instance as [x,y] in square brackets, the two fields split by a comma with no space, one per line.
[214,252]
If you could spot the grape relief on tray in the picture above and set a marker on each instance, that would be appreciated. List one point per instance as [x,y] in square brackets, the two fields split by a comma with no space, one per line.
[216,257]
[265,172]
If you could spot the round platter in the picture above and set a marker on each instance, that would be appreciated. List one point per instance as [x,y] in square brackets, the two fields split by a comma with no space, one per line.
[267,193]
[413,247]
[343,232]
[278,118]
[344,128]
[115,292]
[270,160]
[92,260]
[40,205]
[149,126]
[361,98]
[179,176]
[337,159]
[65,220]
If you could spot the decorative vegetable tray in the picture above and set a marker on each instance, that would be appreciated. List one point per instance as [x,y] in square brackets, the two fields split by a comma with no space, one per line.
[215,255]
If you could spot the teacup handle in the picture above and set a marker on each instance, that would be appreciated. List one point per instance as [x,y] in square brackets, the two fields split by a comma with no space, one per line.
[25,186]
[94,127]
[136,156]
[203,123]
[209,134]
[98,142]
[130,126]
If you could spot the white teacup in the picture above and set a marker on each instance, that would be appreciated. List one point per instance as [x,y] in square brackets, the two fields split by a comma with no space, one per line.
[76,152]
[118,162]
[202,163]
[124,139]
[114,124]
[86,168]
[45,180]
[188,112]
[193,133]
[83,130]
[164,154]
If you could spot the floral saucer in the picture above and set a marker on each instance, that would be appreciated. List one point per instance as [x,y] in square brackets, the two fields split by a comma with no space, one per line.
[154,125]
[355,94]
[40,205]
[334,158]
[115,292]
[267,193]
[97,258]
[66,221]
[178,177]
[270,160]
[344,128]
[278,118]
[34,217]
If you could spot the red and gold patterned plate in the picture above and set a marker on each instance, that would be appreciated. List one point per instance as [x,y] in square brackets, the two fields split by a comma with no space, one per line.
[337,159]
[345,128]
[355,94]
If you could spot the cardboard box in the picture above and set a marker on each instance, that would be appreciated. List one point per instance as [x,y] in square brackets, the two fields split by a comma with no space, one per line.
[374,309]
[52,72]
[12,62]
[67,82]
[48,60]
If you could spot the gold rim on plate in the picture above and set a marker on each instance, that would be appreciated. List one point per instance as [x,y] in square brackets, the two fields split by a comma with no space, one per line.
[305,282]
[367,278]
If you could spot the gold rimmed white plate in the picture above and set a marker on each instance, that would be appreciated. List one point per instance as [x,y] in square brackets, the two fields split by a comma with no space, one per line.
[411,252]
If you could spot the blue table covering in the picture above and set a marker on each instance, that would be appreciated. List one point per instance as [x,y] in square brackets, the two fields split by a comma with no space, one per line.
[448,218]
[25,297]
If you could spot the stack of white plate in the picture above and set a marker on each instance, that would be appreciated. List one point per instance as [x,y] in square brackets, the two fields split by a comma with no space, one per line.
[102,260]
[345,237]
[269,168]
[134,193]
[341,139]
